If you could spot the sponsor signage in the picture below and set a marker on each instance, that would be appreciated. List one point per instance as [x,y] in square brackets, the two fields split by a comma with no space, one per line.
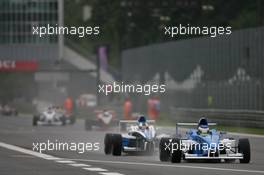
[18,65]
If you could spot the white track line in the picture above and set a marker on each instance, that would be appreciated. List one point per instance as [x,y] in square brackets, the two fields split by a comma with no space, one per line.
[52,158]
[56,159]
[79,165]
[110,173]
[65,161]
[172,165]
[95,169]
[26,151]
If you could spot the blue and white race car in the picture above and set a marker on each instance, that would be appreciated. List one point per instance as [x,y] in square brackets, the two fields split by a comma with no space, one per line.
[140,138]
[203,144]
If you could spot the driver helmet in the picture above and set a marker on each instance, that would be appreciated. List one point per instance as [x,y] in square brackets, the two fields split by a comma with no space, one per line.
[142,123]
[106,113]
[203,127]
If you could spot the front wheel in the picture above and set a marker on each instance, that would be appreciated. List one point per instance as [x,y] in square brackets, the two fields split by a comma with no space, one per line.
[176,153]
[117,144]
[63,120]
[244,148]
[164,152]
[108,144]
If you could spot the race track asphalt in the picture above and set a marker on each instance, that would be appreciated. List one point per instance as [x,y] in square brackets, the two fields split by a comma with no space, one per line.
[17,136]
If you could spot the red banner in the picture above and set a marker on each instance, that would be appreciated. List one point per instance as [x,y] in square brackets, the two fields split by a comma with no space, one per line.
[18,65]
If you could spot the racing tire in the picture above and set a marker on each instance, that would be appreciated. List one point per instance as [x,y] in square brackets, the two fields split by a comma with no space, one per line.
[176,154]
[63,121]
[88,125]
[117,144]
[108,144]
[35,120]
[244,148]
[72,119]
[16,114]
[164,155]
[150,148]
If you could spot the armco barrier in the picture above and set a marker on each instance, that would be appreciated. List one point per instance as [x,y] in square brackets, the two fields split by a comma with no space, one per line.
[244,118]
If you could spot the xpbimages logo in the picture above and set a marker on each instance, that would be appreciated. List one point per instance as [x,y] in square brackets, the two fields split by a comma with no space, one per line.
[80,31]
[146,89]
[80,147]
[212,147]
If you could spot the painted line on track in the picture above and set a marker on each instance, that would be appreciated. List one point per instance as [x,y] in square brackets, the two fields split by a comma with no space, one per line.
[65,161]
[110,173]
[57,159]
[79,165]
[95,169]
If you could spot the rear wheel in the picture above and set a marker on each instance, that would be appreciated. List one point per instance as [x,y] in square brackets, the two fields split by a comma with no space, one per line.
[117,144]
[176,154]
[63,120]
[88,125]
[72,119]
[108,144]
[35,120]
[164,152]
[244,148]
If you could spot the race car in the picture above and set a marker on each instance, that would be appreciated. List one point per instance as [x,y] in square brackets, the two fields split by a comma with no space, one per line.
[50,116]
[203,144]
[7,110]
[140,138]
[104,119]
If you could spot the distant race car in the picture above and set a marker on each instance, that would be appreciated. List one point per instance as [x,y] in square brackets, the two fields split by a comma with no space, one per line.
[7,110]
[51,116]
[203,144]
[104,119]
[140,138]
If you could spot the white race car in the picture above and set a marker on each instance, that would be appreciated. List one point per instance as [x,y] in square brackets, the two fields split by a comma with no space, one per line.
[140,138]
[51,116]
[104,119]
[7,110]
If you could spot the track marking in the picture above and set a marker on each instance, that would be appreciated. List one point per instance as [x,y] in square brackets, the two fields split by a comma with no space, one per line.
[56,159]
[52,158]
[110,173]
[170,165]
[65,161]
[95,169]
[79,165]
[26,151]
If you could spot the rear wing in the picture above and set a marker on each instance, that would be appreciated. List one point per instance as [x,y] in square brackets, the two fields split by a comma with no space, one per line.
[123,123]
[190,124]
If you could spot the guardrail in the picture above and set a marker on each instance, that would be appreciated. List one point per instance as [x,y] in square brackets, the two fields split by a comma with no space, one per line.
[245,118]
